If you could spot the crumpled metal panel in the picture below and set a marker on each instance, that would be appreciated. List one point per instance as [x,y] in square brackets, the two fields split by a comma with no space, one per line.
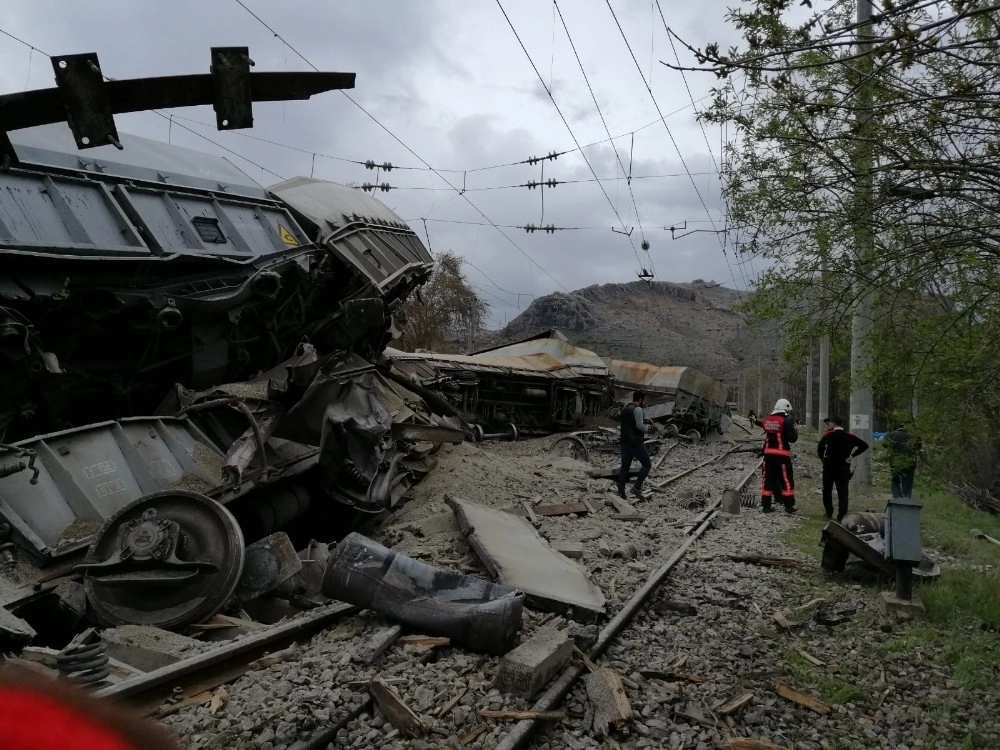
[581,361]
[528,365]
[90,473]
[363,231]
[645,376]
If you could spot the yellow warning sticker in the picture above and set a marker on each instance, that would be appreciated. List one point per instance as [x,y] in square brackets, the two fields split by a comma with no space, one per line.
[287,237]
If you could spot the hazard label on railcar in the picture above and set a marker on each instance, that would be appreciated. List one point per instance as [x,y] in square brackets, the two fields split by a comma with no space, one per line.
[287,237]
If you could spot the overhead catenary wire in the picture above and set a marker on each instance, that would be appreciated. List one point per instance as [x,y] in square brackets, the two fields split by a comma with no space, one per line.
[673,140]
[398,140]
[604,122]
[565,122]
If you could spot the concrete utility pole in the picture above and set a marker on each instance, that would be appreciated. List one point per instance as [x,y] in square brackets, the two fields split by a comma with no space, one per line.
[824,378]
[809,388]
[862,324]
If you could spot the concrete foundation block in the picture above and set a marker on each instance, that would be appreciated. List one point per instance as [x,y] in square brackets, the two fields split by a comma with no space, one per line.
[893,606]
[529,667]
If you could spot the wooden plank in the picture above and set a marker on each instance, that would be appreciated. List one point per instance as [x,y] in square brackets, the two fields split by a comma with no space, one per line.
[473,733]
[810,658]
[742,743]
[612,709]
[425,642]
[626,511]
[529,512]
[789,693]
[524,715]
[443,711]
[735,704]
[561,509]
[672,676]
[395,710]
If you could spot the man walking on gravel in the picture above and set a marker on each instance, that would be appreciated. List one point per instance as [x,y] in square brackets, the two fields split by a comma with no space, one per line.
[836,449]
[633,433]
[777,480]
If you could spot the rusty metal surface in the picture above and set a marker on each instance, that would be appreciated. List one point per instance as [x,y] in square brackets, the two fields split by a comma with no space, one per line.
[548,350]
[669,380]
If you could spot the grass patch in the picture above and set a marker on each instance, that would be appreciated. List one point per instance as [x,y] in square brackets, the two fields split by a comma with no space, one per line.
[832,690]
[963,605]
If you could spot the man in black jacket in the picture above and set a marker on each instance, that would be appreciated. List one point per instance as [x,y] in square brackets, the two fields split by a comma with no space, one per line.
[633,434]
[836,449]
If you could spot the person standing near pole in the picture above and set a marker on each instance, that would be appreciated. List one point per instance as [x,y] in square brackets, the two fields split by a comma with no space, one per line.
[633,434]
[777,479]
[902,449]
[836,449]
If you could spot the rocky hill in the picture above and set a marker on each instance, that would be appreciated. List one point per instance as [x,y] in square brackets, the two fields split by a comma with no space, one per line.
[693,324]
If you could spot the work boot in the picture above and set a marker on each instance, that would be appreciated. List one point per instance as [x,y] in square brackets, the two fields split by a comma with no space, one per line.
[840,517]
[621,492]
[766,506]
[790,508]
[639,494]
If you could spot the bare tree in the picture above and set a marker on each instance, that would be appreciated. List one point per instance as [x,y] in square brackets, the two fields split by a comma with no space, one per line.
[446,313]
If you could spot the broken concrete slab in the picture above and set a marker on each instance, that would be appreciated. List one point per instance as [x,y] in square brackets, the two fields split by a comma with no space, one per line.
[532,665]
[514,552]
[148,648]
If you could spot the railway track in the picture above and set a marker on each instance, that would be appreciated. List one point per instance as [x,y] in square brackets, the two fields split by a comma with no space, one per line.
[251,660]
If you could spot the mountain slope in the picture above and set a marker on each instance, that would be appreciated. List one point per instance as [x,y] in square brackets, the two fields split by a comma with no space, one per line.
[693,324]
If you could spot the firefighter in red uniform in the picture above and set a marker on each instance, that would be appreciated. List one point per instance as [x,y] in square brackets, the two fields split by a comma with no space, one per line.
[777,481]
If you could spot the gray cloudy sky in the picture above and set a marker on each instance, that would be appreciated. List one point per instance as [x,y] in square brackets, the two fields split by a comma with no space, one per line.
[449,78]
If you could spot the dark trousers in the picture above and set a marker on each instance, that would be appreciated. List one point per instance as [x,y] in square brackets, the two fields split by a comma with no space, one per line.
[902,483]
[839,477]
[628,453]
[777,481]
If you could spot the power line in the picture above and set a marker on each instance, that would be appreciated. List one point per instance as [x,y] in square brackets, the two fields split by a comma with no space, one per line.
[670,134]
[565,121]
[398,140]
[607,130]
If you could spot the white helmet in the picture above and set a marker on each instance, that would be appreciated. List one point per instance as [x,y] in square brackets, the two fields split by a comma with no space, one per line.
[782,406]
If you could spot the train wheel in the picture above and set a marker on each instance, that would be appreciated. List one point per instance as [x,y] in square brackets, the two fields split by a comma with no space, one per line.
[168,559]
[695,436]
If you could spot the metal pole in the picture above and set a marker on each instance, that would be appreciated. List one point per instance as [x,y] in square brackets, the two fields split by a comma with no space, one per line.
[760,408]
[809,388]
[862,325]
[824,377]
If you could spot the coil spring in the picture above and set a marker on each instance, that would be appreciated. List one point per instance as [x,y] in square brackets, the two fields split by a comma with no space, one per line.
[84,665]
[354,474]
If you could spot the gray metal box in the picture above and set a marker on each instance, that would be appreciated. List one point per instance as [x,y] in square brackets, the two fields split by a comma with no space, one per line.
[902,530]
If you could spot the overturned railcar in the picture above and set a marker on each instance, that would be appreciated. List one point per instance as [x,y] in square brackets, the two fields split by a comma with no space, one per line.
[681,398]
[536,386]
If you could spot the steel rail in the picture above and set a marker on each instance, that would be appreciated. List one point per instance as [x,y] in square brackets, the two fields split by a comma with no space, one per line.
[519,735]
[222,664]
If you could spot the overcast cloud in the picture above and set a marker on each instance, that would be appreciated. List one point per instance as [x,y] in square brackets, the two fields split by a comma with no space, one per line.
[449,79]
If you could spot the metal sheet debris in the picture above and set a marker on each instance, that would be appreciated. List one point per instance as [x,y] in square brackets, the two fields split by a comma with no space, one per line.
[517,555]
[473,613]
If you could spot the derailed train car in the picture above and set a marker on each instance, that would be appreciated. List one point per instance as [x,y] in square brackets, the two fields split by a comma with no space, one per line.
[681,398]
[186,361]
[544,384]
[536,386]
